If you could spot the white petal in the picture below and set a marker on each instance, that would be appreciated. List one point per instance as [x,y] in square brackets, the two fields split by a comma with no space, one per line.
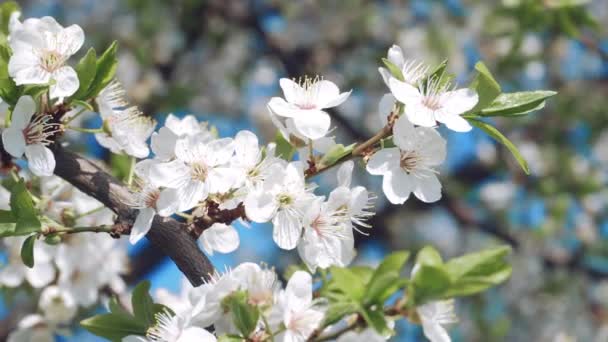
[383,161]
[404,133]
[40,275]
[282,108]
[222,179]
[312,124]
[404,92]
[13,141]
[338,100]
[197,334]
[291,89]
[299,290]
[428,188]
[41,160]
[23,112]
[24,69]
[431,145]
[220,237]
[247,148]
[173,174]
[66,82]
[460,101]
[435,332]
[163,143]
[192,193]
[386,75]
[11,275]
[454,122]
[385,107]
[168,202]
[142,224]
[72,38]
[286,229]
[345,173]
[421,115]
[327,94]
[397,186]
[395,56]
[260,207]
[219,151]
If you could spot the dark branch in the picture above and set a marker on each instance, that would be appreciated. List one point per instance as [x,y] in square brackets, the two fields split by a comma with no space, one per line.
[167,234]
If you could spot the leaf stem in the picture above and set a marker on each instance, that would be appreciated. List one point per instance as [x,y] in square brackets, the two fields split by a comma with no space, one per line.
[132,160]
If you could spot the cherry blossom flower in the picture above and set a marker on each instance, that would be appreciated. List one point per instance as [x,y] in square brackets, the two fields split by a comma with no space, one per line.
[282,199]
[57,305]
[41,47]
[304,103]
[412,71]
[30,134]
[126,131]
[199,169]
[177,329]
[433,316]
[300,314]
[15,272]
[151,201]
[32,328]
[251,162]
[163,142]
[409,167]
[433,102]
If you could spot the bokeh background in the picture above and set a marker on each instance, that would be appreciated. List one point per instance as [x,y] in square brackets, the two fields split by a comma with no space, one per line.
[221,60]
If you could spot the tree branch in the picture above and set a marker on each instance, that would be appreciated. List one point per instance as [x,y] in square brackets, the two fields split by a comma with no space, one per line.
[167,234]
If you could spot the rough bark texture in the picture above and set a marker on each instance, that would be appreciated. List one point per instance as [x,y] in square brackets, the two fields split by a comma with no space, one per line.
[167,234]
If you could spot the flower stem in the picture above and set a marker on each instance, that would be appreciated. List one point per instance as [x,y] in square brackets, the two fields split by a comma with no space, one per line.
[74,230]
[90,212]
[86,130]
[75,116]
[133,160]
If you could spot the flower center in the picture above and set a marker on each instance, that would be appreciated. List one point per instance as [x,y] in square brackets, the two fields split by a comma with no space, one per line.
[409,161]
[41,130]
[431,102]
[51,60]
[199,171]
[308,98]
[285,199]
[151,198]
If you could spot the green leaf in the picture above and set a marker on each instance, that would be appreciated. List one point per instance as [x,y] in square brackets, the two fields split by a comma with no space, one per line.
[284,149]
[496,135]
[381,287]
[375,319]
[245,316]
[393,69]
[393,262]
[336,153]
[113,327]
[7,216]
[470,285]
[336,311]
[429,256]
[86,69]
[143,305]
[430,282]
[105,70]
[486,87]
[479,263]
[116,308]
[6,10]
[7,229]
[84,105]
[27,251]
[22,207]
[347,282]
[520,103]
[52,239]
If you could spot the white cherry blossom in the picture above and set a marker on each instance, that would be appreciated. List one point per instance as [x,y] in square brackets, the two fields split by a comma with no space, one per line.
[176,329]
[126,131]
[15,272]
[199,169]
[163,142]
[434,315]
[305,103]
[409,167]
[41,48]
[282,198]
[412,71]
[220,237]
[32,328]
[300,314]
[434,101]
[57,305]
[30,134]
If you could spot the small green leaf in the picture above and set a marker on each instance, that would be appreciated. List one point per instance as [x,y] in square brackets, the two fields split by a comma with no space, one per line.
[393,262]
[6,10]
[7,229]
[27,251]
[105,70]
[520,103]
[479,263]
[429,256]
[470,285]
[245,316]
[52,239]
[381,287]
[284,149]
[113,327]
[336,153]
[143,305]
[430,282]
[116,308]
[496,135]
[86,69]
[336,311]
[393,69]
[375,319]
[22,206]
[347,282]
[7,216]
[486,87]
